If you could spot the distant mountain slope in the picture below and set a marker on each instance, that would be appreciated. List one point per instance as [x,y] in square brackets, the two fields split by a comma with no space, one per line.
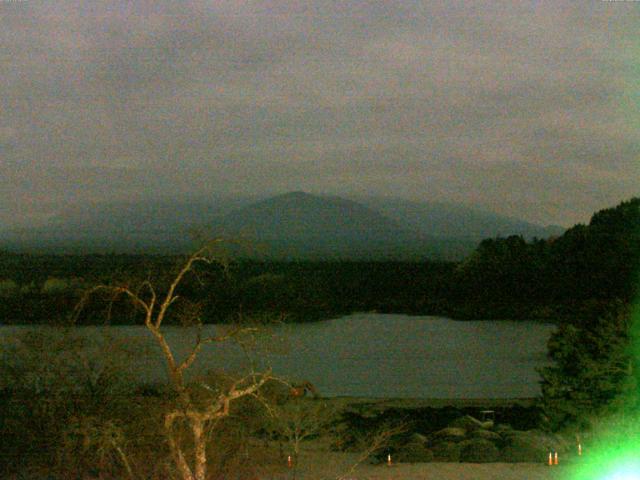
[152,226]
[454,220]
[136,217]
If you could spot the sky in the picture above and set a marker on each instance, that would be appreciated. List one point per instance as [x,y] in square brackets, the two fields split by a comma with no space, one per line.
[529,109]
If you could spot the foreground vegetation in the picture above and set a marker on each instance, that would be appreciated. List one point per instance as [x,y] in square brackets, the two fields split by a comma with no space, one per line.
[63,415]
[66,415]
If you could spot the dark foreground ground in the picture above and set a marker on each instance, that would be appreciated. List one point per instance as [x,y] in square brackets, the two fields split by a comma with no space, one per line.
[318,460]
[317,463]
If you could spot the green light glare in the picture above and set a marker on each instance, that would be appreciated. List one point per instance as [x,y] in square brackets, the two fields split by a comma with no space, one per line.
[627,471]
[615,454]
[611,462]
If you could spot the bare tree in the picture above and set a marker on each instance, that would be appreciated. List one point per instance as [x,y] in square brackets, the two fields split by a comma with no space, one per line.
[196,415]
[297,420]
[375,442]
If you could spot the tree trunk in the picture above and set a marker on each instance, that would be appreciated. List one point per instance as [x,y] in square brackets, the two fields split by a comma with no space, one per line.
[199,441]
[176,451]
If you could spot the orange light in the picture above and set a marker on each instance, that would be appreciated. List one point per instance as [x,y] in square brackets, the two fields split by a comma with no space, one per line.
[555,458]
[389,459]
[550,459]
[289,461]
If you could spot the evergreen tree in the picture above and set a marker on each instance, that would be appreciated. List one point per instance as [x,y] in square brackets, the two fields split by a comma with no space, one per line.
[592,372]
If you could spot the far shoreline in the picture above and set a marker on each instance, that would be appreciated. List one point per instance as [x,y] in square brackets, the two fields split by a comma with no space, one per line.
[313,320]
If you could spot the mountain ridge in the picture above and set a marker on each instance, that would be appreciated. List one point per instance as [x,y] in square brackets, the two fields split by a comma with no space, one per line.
[458,220]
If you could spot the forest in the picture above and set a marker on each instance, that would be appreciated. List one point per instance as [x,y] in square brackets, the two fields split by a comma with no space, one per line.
[587,268]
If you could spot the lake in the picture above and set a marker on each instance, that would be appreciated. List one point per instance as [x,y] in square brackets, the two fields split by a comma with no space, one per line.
[367,355]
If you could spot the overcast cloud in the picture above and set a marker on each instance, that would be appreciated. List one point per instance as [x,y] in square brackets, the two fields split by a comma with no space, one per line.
[525,108]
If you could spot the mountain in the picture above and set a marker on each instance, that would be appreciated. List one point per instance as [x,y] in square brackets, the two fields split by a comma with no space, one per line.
[441,219]
[291,225]
[308,216]
[299,224]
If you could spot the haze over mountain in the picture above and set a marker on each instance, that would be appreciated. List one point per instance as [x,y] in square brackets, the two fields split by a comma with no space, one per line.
[291,225]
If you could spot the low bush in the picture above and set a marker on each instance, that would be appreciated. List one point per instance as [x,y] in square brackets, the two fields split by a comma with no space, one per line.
[478,450]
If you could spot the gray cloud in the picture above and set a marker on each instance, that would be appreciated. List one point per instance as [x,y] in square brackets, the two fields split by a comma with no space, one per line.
[516,107]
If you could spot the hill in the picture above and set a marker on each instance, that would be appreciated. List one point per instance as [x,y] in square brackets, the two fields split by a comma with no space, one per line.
[299,224]
[587,267]
[455,220]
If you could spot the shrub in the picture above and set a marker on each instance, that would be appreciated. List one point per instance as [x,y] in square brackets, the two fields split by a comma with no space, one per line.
[8,288]
[446,451]
[54,286]
[47,380]
[531,446]
[413,452]
[478,450]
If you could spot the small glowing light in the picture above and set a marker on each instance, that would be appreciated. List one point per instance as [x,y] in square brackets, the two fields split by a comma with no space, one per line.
[389,459]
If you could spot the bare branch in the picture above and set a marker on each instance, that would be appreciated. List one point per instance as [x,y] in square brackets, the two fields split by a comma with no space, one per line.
[198,256]
[379,440]
[115,291]
[134,298]
[221,407]
[152,290]
[176,375]
[186,363]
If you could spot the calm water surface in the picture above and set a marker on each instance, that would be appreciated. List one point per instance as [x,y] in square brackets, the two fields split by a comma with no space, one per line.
[368,355]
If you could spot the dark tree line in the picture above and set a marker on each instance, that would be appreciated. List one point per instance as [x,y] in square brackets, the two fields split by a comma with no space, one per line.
[299,291]
[560,277]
